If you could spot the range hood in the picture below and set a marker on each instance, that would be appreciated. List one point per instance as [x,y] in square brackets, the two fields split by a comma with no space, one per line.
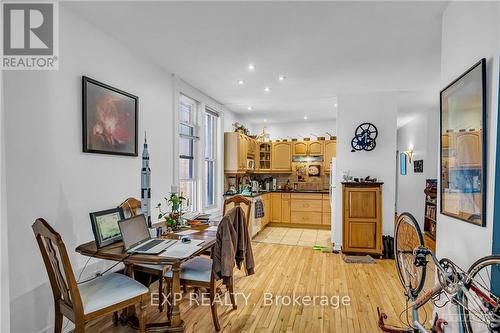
[307,159]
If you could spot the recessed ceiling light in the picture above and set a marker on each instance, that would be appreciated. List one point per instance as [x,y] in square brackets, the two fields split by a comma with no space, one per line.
[267,89]
[251,67]
[335,105]
[249,108]
[240,82]
[305,117]
[265,120]
[281,78]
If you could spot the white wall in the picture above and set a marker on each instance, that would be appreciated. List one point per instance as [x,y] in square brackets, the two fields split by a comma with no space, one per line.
[381,110]
[48,175]
[422,132]
[4,258]
[471,32]
[296,129]
[230,118]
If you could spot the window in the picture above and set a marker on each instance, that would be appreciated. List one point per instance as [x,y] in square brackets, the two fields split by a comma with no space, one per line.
[210,150]
[187,138]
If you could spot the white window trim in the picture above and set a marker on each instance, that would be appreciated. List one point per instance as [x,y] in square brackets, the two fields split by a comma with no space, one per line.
[204,101]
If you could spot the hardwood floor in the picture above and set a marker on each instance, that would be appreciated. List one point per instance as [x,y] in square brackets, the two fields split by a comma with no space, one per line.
[283,270]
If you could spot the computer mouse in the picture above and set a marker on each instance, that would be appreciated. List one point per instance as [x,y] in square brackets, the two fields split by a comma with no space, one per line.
[185,240]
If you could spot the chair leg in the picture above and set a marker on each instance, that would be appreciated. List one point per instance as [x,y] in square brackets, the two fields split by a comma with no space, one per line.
[79,327]
[213,307]
[160,291]
[58,321]
[169,299]
[231,296]
[142,316]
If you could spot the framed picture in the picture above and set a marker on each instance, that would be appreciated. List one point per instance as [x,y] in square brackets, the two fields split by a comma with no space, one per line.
[105,226]
[463,146]
[110,119]
[418,166]
[402,164]
[314,170]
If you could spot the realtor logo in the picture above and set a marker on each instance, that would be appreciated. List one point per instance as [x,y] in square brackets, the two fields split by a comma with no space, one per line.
[29,38]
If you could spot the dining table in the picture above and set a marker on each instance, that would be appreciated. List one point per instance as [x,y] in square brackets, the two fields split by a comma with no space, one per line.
[116,252]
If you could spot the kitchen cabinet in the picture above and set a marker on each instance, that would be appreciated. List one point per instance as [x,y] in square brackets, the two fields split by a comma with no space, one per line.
[300,148]
[362,218]
[235,152]
[303,148]
[315,148]
[281,160]
[330,151]
[275,207]
[326,210]
[264,156]
[285,208]
[266,198]
[306,208]
[251,144]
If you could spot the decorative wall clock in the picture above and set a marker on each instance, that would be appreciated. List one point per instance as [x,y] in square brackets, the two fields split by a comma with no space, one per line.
[364,137]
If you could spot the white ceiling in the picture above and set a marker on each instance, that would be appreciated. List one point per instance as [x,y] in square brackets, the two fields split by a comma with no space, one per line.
[323,48]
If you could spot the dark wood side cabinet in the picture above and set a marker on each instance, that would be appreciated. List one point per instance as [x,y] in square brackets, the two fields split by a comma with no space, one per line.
[362,218]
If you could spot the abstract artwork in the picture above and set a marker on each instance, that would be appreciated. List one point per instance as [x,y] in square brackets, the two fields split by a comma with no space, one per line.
[109,119]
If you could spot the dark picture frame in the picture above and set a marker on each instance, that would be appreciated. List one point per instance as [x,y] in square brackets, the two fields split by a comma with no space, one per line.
[103,104]
[463,173]
[110,217]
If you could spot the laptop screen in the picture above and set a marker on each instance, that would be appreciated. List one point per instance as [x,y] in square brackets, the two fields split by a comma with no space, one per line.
[134,230]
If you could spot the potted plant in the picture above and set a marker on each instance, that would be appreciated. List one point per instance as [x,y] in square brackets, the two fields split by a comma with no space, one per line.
[173,217]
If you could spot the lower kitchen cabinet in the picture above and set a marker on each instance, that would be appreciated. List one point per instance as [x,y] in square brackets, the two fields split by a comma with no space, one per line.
[275,207]
[285,208]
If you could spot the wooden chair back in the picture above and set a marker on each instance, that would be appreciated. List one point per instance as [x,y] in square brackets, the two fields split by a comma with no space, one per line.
[237,200]
[61,276]
[132,206]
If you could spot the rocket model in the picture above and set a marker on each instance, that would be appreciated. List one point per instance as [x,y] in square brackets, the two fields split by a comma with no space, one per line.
[146,184]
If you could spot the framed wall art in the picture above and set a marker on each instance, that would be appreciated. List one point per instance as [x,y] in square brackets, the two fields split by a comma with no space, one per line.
[463,146]
[110,119]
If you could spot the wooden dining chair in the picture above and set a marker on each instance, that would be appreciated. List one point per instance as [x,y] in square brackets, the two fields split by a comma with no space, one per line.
[236,201]
[132,206]
[83,302]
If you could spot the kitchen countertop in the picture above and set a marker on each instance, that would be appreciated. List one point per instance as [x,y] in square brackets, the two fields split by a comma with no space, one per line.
[256,194]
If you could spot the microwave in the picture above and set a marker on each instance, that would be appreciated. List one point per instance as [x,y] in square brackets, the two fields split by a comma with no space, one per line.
[250,164]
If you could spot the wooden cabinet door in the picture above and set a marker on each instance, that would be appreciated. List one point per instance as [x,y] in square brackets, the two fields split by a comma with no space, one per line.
[276,207]
[281,157]
[251,146]
[242,152]
[267,208]
[362,220]
[316,148]
[285,208]
[469,149]
[330,151]
[300,148]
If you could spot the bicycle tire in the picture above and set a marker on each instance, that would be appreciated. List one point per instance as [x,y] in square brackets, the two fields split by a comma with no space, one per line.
[474,269]
[400,241]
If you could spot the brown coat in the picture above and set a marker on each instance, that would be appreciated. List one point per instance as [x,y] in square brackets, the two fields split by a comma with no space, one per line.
[232,246]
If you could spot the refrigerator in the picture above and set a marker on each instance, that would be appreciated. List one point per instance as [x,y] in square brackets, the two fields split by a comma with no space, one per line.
[332,189]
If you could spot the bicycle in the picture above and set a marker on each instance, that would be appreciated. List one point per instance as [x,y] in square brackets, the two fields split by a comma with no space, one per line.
[478,307]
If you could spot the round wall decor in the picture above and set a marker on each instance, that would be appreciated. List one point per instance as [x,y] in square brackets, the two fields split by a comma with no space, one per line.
[364,137]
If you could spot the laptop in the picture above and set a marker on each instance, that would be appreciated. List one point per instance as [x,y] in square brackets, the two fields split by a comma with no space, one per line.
[136,237]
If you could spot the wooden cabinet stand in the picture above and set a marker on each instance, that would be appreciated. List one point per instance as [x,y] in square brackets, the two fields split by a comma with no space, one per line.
[362,218]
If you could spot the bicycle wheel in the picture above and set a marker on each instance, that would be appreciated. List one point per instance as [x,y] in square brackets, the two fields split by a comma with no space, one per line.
[480,305]
[406,238]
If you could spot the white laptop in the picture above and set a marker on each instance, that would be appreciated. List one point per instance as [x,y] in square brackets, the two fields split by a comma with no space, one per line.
[136,237]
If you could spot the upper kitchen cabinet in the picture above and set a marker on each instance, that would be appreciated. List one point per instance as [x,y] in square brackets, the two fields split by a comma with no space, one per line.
[315,147]
[300,148]
[235,152]
[330,151]
[264,156]
[304,148]
[468,149]
[281,157]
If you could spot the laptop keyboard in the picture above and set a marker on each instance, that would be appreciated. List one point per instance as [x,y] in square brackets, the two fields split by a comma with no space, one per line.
[149,245]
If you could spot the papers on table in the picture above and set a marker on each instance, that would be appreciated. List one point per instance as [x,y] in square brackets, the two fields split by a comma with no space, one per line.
[196,242]
[186,232]
[211,228]
[181,250]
